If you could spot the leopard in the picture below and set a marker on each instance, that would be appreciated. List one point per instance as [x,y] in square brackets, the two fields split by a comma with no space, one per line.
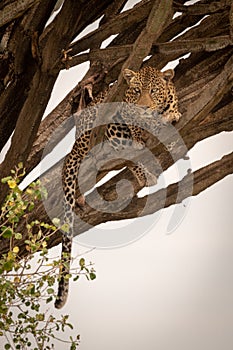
[149,88]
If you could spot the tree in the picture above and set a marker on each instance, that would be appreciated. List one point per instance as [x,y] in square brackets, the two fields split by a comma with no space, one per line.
[27,283]
[34,51]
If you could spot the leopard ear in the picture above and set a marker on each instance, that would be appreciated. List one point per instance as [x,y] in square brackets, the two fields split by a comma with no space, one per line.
[129,74]
[168,74]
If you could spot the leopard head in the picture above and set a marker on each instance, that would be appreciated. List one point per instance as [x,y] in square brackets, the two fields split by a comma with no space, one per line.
[149,87]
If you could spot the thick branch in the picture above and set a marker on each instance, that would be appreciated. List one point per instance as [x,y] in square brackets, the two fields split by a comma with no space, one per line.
[22,66]
[15,10]
[231,21]
[182,47]
[105,56]
[214,123]
[215,25]
[211,95]
[40,90]
[114,26]
[198,182]
[179,48]
[114,9]
[204,8]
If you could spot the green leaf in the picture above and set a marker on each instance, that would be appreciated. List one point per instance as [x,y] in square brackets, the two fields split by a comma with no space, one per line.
[67,276]
[48,300]
[70,325]
[31,206]
[15,219]
[73,346]
[5,179]
[50,290]
[65,228]
[3,309]
[18,235]
[56,221]
[7,233]
[40,317]
[92,276]
[8,266]
[82,262]
[44,192]
[45,225]
[7,346]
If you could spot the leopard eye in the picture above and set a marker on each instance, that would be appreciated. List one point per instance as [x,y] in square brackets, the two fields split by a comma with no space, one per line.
[153,91]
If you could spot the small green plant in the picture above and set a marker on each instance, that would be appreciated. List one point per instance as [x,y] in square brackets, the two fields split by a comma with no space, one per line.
[27,281]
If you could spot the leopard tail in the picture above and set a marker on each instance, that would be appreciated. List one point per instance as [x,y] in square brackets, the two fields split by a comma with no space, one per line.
[69,187]
[63,285]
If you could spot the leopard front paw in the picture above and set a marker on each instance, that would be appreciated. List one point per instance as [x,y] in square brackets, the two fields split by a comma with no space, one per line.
[177,116]
[169,117]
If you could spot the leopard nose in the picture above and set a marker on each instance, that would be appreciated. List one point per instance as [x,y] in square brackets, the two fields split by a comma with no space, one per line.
[145,100]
